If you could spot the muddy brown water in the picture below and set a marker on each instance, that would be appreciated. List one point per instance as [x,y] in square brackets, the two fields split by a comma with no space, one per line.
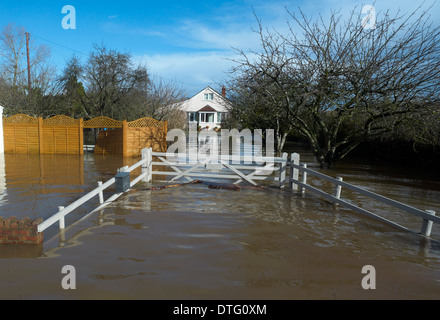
[193,242]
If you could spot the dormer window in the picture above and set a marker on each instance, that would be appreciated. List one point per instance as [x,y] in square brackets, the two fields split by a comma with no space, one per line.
[209,96]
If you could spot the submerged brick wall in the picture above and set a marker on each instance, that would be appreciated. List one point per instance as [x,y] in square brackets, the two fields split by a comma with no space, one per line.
[20,231]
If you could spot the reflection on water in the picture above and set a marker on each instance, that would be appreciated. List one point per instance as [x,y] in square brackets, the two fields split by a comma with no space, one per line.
[2,178]
[34,185]
[192,242]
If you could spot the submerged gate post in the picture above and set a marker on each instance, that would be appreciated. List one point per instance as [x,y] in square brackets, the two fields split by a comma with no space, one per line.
[101,193]
[283,169]
[304,178]
[61,222]
[338,189]
[427,224]
[147,166]
[294,172]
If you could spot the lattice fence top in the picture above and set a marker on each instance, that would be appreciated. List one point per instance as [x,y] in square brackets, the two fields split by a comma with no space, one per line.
[61,121]
[21,119]
[102,122]
[99,122]
[146,122]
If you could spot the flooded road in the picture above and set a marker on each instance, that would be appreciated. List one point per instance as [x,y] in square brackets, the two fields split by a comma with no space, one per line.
[192,242]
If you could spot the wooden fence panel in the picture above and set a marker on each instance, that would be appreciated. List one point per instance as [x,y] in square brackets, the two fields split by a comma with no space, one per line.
[21,138]
[60,140]
[9,142]
[64,135]
[145,138]
[109,142]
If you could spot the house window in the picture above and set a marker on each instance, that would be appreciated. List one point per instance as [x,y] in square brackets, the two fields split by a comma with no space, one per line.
[209,96]
[206,117]
[219,117]
[192,116]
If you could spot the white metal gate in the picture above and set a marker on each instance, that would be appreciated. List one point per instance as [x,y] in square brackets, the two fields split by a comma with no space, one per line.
[196,166]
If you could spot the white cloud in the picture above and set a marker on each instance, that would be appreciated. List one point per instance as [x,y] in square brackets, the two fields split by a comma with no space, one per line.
[325,7]
[210,42]
[195,34]
[193,71]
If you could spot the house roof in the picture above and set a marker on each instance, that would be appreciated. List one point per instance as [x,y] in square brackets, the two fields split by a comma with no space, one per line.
[219,103]
[208,108]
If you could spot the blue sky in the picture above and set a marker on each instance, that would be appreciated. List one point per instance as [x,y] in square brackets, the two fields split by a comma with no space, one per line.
[187,42]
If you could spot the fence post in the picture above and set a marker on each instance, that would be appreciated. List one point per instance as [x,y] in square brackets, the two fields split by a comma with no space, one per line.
[101,194]
[150,164]
[62,228]
[125,138]
[294,159]
[283,168]
[81,136]
[144,153]
[338,189]
[304,178]
[147,166]
[40,135]
[61,221]
[427,224]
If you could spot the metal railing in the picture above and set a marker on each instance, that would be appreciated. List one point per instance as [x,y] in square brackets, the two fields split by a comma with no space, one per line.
[428,216]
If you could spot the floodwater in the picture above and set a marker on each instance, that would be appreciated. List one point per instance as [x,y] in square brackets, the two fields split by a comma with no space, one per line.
[193,242]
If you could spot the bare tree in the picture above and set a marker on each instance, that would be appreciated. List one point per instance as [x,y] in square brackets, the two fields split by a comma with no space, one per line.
[13,48]
[261,88]
[161,103]
[110,78]
[339,83]
[109,84]
[13,67]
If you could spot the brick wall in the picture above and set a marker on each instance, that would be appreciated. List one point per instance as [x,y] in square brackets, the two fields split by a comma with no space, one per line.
[20,231]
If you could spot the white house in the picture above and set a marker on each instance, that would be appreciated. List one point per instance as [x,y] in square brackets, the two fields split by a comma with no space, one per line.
[207,108]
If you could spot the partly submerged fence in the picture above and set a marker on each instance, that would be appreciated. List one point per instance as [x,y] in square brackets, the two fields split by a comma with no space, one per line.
[224,169]
[428,216]
[64,135]
[122,182]
[297,180]
[239,173]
